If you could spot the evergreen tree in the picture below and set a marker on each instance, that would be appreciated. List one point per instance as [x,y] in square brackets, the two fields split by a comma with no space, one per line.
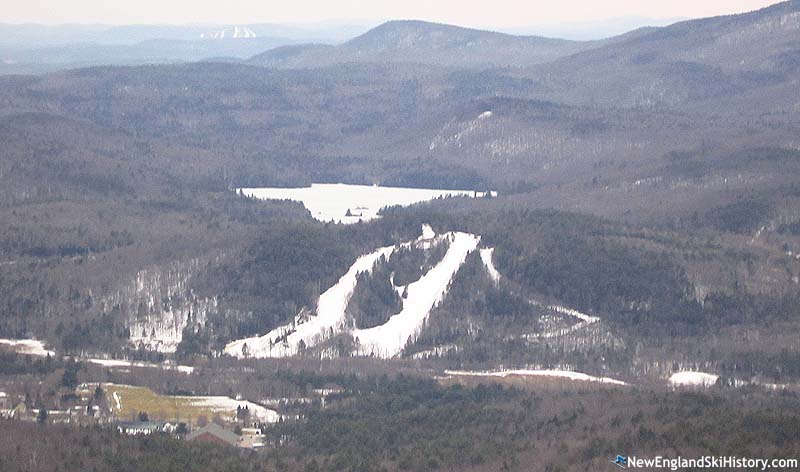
[41,418]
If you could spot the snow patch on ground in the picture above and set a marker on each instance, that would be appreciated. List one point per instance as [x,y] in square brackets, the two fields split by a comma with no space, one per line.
[159,305]
[330,319]
[389,339]
[215,404]
[117,400]
[435,352]
[693,379]
[227,404]
[574,313]
[456,134]
[585,320]
[35,347]
[427,232]
[565,374]
[486,257]
[123,363]
[31,347]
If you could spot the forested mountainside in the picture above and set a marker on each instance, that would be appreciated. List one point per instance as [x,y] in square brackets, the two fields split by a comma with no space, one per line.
[600,131]
[642,183]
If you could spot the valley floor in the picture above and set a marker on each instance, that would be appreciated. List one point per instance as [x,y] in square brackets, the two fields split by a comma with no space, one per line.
[373,418]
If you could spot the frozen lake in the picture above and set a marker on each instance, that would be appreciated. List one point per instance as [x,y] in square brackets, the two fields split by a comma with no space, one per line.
[342,203]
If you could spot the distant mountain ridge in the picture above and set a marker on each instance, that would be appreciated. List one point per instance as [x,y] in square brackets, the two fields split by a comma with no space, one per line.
[765,36]
[35,49]
[592,30]
[32,35]
[414,41]
[234,32]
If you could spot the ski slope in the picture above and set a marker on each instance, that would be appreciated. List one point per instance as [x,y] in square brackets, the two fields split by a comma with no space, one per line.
[386,340]
[287,340]
[389,339]
[486,257]
[585,320]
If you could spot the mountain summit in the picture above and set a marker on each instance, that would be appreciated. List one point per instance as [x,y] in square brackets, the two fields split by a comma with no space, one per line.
[411,41]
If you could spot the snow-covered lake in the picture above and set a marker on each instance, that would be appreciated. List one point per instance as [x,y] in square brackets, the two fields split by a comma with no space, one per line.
[343,203]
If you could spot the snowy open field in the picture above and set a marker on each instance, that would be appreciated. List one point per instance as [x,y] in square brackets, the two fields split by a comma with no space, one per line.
[126,401]
[289,339]
[117,363]
[331,202]
[693,379]
[34,347]
[554,373]
[31,347]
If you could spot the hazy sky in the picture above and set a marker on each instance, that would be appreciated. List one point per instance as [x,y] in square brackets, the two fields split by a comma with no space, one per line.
[488,13]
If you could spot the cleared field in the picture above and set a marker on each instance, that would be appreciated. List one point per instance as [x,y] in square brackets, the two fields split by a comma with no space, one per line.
[534,380]
[126,401]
